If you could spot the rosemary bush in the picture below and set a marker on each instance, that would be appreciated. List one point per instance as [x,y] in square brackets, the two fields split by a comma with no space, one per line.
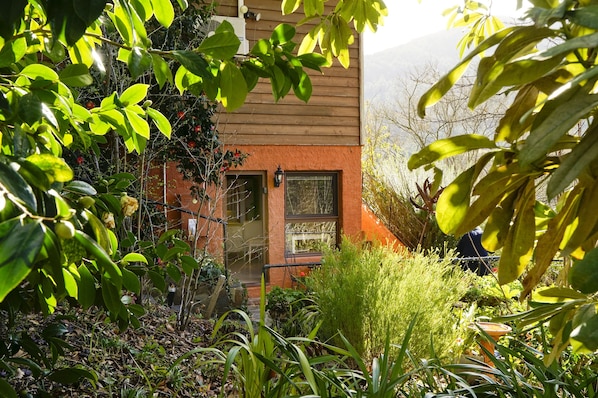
[367,293]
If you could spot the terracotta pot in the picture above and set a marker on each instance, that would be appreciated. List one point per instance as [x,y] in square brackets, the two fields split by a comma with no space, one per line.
[495,331]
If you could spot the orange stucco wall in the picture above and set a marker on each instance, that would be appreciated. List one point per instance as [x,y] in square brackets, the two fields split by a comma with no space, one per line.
[346,160]
[374,230]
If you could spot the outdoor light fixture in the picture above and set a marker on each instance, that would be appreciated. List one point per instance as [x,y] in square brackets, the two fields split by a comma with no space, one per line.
[250,14]
[278,174]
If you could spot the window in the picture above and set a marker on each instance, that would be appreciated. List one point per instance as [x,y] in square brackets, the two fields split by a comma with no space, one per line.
[311,212]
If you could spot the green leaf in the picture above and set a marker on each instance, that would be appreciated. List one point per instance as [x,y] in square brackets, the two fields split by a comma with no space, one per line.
[10,17]
[17,187]
[223,44]
[576,161]
[233,89]
[19,245]
[161,69]
[448,147]
[71,375]
[5,389]
[131,281]
[194,63]
[440,88]
[289,6]
[452,205]
[303,89]
[282,34]
[13,52]
[34,71]
[157,280]
[56,168]
[557,295]
[189,264]
[134,94]
[134,257]
[554,121]
[76,75]
[160,121]
[163,11]
[587,333]
[87,287]
[89,10]
[139,61]
[139,125]
[584,273]
[105,263]
[519,243]
[173,272]
[111,295]
[80,187]
[30,109]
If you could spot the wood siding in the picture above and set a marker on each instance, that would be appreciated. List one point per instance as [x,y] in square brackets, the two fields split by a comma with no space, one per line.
[332,115]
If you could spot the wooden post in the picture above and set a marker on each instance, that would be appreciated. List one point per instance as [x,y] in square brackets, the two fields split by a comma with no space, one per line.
[214,297]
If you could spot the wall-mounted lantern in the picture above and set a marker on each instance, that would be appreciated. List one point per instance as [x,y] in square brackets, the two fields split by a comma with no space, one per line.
[278,175]
[247,14]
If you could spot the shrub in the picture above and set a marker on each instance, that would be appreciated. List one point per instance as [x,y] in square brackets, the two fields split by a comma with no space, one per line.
[367,293]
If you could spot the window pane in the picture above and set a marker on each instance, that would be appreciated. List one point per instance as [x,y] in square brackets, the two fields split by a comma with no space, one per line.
[242,199]
[310,237]
[310,195]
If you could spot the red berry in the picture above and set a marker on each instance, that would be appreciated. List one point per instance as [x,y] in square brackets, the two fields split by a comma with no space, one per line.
[197,129]
[180,114]
[191,144]
[80,159]
[90,105]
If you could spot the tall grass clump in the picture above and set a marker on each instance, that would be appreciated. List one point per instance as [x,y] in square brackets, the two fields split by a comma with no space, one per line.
[367,293]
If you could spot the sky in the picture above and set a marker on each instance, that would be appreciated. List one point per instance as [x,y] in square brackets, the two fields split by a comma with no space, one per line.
[408,19]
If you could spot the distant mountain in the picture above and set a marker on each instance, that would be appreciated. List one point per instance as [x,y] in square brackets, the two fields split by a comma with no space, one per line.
[383,68]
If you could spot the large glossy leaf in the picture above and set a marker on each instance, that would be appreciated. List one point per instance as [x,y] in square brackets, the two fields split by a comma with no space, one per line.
[516,121]
[453,203]
[160,121]
[584,273]
[17,187]
[10,17]
[448,147]
[39,71]
[76,75]
[194,63]
[223,44]
[440,88]
[233,89]
[161,70]
[56,168]
[139,61]
[19,245]
[497,225]
[111,295]
[555,119]
[13,52]
[87,287]
[104,262]
[574,163]
[131,281]
[134,94]
[519,244]
[585,219]
[549,243]
[587,333]
[163,11]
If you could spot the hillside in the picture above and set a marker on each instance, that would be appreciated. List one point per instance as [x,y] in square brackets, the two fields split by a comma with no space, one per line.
[381,69]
